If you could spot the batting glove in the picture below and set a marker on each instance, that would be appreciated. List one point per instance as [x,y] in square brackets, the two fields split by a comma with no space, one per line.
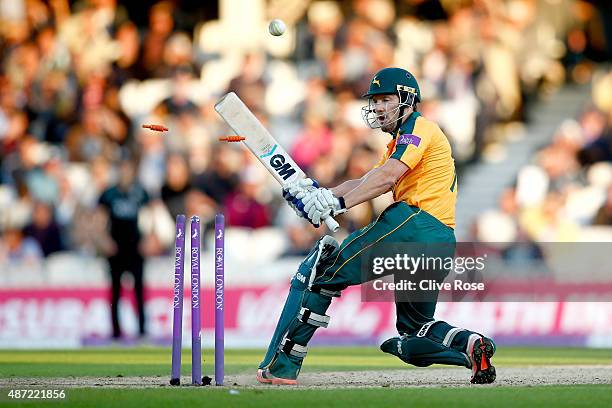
[293,193]
[298,188]
[322,203]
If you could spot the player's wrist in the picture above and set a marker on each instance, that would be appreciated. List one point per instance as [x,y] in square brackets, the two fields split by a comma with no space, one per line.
[339,205]
[342,203]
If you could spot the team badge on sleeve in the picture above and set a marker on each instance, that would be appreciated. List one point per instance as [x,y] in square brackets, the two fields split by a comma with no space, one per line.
[408,139]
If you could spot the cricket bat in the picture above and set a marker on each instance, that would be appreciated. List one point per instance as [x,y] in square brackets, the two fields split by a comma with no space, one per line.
[261,143]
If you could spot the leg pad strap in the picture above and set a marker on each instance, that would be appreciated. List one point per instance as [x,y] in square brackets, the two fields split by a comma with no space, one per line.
[450,336]
[291,348]
[325,292]
[312,318]
[443,333]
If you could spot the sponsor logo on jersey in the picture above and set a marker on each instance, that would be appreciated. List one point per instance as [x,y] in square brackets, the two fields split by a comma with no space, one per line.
[408,139]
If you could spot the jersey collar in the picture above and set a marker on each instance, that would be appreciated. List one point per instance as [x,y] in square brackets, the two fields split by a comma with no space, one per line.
[408,125]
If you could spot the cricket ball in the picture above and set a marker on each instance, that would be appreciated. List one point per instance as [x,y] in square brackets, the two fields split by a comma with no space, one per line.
[277,27]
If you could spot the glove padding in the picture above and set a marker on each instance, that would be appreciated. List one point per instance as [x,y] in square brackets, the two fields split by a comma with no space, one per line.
[299,188]
[320,204]
[293,193]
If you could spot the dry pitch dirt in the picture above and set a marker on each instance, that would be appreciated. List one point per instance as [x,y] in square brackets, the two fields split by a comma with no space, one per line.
[428,377]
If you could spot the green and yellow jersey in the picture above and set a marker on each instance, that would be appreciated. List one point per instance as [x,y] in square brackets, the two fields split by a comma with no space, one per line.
[431,182]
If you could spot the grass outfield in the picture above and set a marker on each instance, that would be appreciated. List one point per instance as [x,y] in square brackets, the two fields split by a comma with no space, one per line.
[147,361]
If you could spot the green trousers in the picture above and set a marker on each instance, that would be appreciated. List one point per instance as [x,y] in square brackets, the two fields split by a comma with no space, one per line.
[399,223]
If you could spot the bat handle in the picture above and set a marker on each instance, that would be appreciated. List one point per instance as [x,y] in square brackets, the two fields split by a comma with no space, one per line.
[331,224]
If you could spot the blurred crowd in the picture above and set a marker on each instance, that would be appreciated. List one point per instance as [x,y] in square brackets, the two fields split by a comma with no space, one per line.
[78,79]
[565,193]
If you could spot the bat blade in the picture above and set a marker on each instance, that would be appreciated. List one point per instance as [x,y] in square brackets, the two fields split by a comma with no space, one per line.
[261,143]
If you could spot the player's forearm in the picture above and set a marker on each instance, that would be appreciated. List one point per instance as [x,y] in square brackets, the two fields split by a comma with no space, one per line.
[372,185]
[342,189]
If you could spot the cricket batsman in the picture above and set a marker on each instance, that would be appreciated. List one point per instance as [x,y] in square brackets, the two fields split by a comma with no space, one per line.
[419,168]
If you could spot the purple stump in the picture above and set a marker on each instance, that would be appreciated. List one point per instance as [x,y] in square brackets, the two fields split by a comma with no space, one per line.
[219,297]
[196,340]
[177,300]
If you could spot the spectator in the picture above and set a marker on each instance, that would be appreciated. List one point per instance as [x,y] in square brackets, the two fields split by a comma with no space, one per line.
[604,214]
[45,229]
[15,247]
[161,24]
[177,186]
[221,178]
[315,140]
[242,208]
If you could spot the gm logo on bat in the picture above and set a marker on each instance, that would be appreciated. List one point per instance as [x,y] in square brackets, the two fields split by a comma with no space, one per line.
[278,163]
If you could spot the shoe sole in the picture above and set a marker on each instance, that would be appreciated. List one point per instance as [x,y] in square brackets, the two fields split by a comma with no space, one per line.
[261,378]
[483,371]
[273,380]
